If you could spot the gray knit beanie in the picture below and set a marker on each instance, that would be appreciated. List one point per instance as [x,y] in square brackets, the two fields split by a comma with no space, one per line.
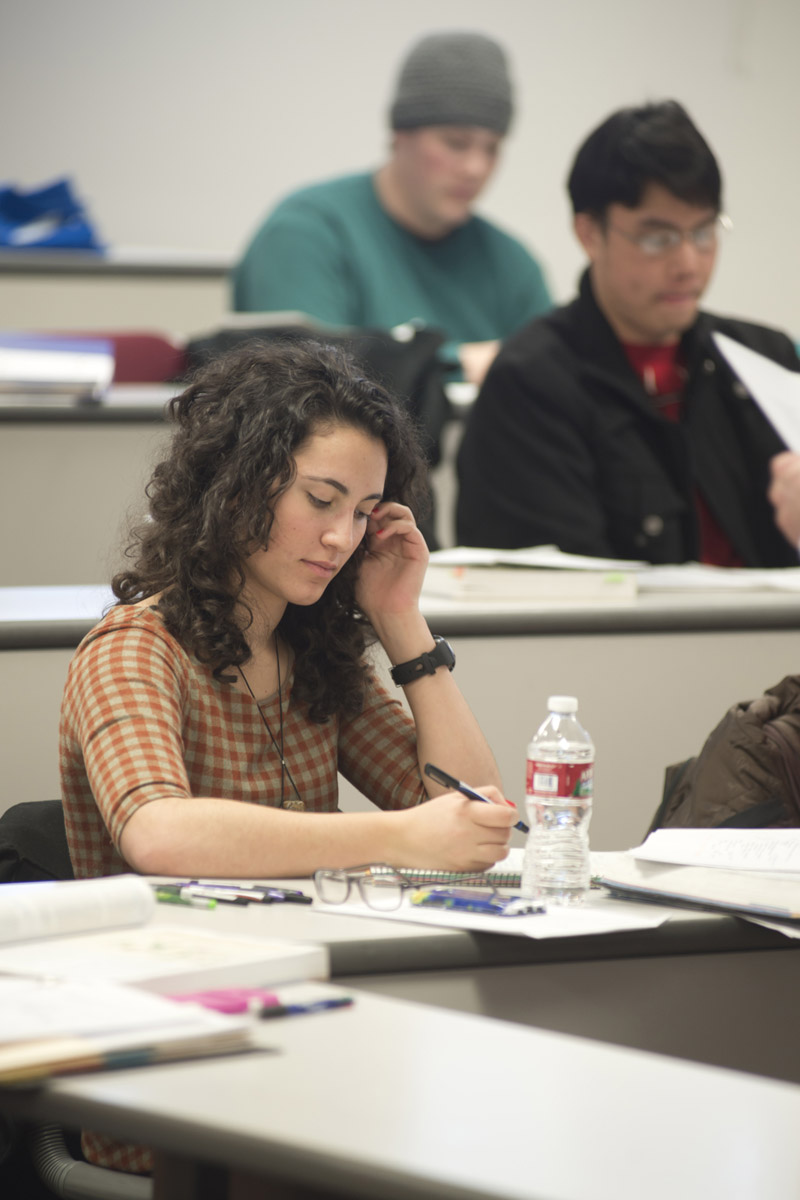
[453,79]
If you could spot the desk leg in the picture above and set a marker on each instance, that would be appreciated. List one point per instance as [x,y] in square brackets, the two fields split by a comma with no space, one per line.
[244,1186]
[176,1178]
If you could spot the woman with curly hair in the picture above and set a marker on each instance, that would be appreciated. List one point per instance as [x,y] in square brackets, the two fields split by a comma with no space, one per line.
[206,716]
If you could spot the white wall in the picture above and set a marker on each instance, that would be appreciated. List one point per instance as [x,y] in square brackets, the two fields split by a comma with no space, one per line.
[182,121]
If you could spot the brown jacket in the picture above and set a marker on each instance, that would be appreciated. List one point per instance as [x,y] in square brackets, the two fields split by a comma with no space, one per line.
[748,772]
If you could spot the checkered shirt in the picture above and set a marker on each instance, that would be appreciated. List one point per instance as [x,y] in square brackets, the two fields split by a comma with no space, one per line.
[141,720]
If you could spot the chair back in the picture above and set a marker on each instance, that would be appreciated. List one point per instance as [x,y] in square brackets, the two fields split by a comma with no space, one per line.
[33,843]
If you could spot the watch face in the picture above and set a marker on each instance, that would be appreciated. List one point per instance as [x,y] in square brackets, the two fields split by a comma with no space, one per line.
[444,653]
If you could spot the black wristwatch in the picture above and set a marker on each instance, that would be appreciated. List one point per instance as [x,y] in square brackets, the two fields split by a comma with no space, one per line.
[427,664]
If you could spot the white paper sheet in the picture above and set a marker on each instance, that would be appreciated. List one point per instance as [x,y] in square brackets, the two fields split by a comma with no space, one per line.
[732,849]
[599,914]
[531,556]
[775,389]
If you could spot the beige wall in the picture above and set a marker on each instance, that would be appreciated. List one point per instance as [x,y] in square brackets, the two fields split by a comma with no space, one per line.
[648,700]
[181,123]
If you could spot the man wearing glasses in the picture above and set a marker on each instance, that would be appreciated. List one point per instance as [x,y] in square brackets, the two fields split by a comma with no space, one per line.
[613,426]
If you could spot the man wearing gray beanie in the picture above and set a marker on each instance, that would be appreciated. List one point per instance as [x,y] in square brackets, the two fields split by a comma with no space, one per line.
[402,244]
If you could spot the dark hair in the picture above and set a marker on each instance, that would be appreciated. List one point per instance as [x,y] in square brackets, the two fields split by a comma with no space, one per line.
[239,424]
[657,143]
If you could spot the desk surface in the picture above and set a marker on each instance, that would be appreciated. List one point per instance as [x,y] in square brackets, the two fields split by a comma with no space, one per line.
[689,988]
[126,403]
[32,617]
[394,1100]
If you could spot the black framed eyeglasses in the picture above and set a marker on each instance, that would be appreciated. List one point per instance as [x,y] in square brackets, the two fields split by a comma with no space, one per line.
[657,242]
[379,886]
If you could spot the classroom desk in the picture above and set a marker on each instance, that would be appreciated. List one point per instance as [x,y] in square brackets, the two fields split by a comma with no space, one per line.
[181,291]
[653,679]
[396,1101]
[711,989]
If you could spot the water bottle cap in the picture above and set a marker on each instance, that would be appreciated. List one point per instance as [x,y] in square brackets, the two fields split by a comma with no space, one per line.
[562,704]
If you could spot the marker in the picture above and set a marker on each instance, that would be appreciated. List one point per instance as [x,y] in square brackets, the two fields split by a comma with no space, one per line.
[450,781]
[475,900]
[166,896]
[232,893]
[289,895]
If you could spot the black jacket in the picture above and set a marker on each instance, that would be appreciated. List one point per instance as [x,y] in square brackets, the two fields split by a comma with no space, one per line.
[565,447]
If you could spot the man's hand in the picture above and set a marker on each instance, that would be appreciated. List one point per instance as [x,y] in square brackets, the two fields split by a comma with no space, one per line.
[476,358]
[784,494]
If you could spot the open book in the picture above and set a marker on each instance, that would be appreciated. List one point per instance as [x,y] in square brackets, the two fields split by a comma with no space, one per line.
[108,930]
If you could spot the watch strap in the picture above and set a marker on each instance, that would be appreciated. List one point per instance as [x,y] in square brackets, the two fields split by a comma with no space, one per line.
[427,664]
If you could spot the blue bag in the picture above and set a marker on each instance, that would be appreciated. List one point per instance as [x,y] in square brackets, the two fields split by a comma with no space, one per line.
[49,216]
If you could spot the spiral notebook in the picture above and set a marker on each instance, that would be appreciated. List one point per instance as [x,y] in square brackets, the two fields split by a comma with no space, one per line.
[506,873]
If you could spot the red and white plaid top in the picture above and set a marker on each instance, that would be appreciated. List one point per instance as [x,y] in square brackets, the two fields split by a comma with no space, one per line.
[141,720]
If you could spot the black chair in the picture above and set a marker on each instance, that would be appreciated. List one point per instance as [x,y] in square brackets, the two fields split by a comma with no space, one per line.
[33,843]
[38,1161]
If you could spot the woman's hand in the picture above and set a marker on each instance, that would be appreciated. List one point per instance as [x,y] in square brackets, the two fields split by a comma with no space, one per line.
[453,833]
[393,568]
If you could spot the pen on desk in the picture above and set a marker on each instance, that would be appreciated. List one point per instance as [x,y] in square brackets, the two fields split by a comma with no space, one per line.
[222,895]
[293,1010]
[289,895]
[243,893]
[450,781]
[170,896]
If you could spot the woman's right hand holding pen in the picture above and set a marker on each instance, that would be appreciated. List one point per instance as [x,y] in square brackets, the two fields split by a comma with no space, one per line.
[453,833]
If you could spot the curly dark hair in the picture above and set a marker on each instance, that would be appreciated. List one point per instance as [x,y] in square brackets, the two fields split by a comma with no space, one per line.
[239,424]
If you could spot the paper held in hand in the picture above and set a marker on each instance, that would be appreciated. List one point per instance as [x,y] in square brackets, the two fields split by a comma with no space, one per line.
[774,388]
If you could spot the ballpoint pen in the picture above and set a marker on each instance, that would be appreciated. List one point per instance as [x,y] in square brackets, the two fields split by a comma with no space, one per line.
[293,1010]
[450,781]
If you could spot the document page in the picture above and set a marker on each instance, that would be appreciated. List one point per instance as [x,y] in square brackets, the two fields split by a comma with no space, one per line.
[599,914]
[775,389]
[734,849]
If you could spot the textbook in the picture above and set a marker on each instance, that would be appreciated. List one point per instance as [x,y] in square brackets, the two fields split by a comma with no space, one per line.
[110,930]
[54,370]
[60,1027]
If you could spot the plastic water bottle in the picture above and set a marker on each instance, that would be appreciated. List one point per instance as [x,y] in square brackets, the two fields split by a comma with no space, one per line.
[558,798]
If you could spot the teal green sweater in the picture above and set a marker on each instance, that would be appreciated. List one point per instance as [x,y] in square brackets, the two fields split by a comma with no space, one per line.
[332,251]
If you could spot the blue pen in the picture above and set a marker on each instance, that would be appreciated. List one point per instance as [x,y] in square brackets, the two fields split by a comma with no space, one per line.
[293,1010]
[450,781]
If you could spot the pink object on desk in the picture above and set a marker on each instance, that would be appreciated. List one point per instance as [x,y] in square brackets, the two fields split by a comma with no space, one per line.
[231,1000]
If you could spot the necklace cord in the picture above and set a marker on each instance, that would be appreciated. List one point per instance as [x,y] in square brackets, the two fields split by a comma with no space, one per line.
[278,745]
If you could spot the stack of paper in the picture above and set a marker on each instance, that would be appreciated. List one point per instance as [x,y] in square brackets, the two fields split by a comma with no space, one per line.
[80,961]
[754,872]
[54,370]
[52,1027]
[529,585]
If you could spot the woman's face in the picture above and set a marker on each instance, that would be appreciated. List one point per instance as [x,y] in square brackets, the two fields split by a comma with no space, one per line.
[319,520]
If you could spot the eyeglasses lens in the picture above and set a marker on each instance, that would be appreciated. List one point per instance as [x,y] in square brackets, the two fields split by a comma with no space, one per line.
[381,894]
[332,886]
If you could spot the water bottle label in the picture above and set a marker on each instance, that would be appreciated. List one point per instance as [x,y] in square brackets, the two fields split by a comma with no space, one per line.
[559,779]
